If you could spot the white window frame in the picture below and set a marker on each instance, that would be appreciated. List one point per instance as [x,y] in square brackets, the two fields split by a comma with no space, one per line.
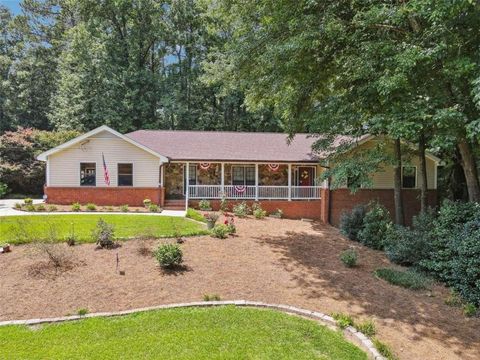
[416,176]
[80,173]
[244,166]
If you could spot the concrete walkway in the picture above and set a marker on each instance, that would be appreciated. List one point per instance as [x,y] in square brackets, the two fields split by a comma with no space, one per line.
[7,209]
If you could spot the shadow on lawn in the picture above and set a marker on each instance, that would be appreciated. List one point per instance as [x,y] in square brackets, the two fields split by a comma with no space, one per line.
[312,258]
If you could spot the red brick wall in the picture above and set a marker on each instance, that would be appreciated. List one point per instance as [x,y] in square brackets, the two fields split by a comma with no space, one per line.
[104,196]
[342,200]
[294,209]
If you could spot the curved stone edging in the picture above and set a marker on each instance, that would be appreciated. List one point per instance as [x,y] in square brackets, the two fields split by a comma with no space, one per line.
[365,342]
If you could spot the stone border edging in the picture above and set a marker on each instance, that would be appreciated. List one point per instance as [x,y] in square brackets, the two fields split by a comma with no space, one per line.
[366,343]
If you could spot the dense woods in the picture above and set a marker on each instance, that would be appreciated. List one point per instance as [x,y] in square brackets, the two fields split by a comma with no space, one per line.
[408,70]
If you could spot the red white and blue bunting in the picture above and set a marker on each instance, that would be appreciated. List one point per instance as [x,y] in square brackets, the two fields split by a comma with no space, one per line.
[240,189]
[204,166]
[273,167]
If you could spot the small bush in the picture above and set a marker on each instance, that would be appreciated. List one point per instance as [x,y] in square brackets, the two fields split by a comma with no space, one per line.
[343,320]
[223,204]
[367,328]
[204,205]
[406,246]
[40,207]
[103,234]
[376,224]
[168,255]
[220,231]
[469,310]
[28,201]
[259,213]
[147,203]
[124,208]
[241,209]
[51,208]
[278,213]
[230,224]
[454,299]
[384,349]
[408,279]
[3,190]
[29,208]
[349,257]
[110,208]
[82,312]
[352,222]
[76,207]
[212,297]
[153,208]
[195,215]
[18,206]
[91,207]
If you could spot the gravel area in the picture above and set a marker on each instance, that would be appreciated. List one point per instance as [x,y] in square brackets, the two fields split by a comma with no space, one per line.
[273,260]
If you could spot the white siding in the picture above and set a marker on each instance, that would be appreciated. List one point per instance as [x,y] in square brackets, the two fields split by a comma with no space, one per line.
[64,166]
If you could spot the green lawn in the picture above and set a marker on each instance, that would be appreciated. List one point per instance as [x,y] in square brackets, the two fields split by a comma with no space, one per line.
[23,229]
[189,333]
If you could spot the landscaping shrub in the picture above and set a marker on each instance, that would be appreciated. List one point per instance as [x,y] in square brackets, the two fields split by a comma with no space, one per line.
[406,246]
[220,231]
[29,208]
[147,203]
[82,312]
[18,206]
[349,257]
[259,213]
[469,310]
[3,190]
[40,207]
[212,297]
[168,255]
[376,224]
[408,279]
[91,207]
[241,209]
[367,328]
[124,208]
[384,349]
[352,222]
[343,320]
[103,234]
[51,208]
[28,201]
[153,208]
[230,224]
[204,205]
[76,207]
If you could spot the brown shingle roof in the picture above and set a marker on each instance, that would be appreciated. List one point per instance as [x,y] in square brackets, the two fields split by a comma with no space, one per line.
[228,146]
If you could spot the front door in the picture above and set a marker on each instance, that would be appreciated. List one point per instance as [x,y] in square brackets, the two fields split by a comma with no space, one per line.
[306,176]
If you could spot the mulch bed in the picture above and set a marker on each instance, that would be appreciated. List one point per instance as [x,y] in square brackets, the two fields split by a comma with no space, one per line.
[272,260]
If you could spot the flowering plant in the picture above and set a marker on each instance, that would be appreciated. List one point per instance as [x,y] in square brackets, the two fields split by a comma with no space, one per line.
[213,217]
[230,223]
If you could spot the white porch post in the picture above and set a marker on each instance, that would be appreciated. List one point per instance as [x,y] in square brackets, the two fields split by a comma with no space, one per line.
[223,178]
[256,182]
[47,179]
[161,174]
[187,190]
[289,182]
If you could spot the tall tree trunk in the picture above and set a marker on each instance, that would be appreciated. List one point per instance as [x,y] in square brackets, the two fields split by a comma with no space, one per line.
[397,191]
[422,173]
[470,170]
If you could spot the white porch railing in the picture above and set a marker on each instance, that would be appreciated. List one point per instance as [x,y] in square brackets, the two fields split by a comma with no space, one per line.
[253,192]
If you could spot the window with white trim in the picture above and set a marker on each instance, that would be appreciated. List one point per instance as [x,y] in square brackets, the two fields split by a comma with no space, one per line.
[88,174]
[125,174]
[243,175]
[409,177]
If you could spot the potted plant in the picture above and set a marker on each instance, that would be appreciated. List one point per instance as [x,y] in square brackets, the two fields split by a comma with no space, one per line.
[211,219]
[204,205]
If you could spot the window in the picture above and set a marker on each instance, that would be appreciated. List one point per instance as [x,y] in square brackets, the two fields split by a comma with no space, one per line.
[243,175]
[409,177]
[88,174]
[125,174]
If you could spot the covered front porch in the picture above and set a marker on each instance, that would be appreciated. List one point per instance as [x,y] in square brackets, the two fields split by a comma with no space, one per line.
[241,181]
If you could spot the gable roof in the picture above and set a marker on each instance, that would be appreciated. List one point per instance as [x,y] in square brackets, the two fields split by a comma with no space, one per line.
[227,146]
[43,156]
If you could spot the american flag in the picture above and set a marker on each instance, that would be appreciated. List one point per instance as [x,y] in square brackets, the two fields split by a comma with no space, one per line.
[105,171]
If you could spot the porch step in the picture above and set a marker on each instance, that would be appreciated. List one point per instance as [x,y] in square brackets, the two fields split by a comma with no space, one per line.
[174,205]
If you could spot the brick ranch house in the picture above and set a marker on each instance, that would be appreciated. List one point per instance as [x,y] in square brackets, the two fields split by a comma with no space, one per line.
[240,166]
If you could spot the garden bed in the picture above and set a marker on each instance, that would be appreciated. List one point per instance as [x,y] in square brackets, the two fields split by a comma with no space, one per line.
[54,208]
[270,260]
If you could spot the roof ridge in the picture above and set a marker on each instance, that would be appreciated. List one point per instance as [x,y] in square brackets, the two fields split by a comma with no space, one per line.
[219,131]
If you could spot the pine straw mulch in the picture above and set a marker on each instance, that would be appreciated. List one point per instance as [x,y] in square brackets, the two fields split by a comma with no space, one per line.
[272,260]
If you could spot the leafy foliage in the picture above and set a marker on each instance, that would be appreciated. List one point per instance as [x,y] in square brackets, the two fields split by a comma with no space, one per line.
[349,257]
[407,279]
[352,222]
[104,234]
[241,209]
[168,255]
[220,231]
[376,225]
